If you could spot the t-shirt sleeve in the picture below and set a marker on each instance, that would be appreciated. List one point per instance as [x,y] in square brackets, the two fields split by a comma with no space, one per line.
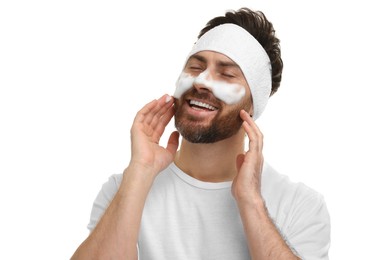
[309,230]
[103,199]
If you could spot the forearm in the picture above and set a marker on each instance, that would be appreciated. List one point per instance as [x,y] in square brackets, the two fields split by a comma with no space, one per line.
[264,240]
[116,234]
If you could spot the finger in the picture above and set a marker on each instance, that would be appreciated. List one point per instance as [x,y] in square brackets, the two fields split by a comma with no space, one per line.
[246,117]
[253,132]
[156,112]
[149,111]
[144,111]
[161,114]
[163,122]
[248,127]
[173,142]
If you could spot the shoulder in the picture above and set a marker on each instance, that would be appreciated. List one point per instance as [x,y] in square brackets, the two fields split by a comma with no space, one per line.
[299,211]
[279,187]
[285,198]
[110,187]
[113,182]
[104,198]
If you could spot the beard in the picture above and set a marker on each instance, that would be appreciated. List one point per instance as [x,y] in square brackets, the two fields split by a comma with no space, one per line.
[226,123]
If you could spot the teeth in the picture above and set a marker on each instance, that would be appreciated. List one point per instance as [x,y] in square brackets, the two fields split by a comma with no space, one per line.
[201,104]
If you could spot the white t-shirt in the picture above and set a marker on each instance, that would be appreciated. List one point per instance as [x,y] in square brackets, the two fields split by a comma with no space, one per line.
[185,218]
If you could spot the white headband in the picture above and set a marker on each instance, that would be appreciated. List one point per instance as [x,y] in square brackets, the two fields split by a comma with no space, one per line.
[241,47]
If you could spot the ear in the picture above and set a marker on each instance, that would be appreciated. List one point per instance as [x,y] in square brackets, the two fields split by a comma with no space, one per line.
[251,111]
[251,108]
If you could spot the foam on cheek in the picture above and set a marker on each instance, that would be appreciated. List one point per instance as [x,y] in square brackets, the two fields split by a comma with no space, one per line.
[227,92]
[184,83]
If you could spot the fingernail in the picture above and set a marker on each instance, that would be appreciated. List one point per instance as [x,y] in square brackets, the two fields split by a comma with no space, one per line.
[168,98]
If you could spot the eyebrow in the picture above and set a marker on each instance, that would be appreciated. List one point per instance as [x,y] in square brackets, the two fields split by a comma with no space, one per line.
[198,57]
[219,63]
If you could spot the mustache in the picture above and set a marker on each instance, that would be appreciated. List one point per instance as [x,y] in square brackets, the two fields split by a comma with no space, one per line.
[206,96]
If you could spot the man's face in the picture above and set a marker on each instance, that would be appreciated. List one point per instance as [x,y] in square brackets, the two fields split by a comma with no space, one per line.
[200,116]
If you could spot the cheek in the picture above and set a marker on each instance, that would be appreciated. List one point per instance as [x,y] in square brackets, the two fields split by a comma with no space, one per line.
[228,93]
[184,83]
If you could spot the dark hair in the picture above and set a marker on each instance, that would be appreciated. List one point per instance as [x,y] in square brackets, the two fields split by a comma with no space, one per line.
[256,24]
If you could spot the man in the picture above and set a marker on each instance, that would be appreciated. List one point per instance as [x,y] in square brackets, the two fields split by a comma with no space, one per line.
[210,199]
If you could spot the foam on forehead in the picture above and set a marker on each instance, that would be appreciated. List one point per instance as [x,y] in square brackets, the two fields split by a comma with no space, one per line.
[241,47]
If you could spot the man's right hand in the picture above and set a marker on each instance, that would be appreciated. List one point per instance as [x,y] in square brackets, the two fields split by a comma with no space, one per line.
[148,126]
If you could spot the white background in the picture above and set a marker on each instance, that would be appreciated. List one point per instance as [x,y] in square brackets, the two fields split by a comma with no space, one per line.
[74,73]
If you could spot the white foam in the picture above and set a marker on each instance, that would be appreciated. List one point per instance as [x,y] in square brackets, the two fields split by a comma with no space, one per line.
[227,92]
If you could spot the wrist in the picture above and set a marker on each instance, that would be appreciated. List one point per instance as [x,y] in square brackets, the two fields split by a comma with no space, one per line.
[254,201]
[138,175]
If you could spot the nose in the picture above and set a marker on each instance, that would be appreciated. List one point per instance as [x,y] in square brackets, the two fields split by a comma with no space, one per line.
[203,82]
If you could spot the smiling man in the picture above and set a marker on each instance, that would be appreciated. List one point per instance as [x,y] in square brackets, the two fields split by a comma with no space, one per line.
[215,92]
[210,199]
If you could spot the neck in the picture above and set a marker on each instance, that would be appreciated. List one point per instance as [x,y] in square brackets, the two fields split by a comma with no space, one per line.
[215,162]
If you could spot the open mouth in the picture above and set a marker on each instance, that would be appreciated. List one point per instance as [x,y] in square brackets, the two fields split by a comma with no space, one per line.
[197,105]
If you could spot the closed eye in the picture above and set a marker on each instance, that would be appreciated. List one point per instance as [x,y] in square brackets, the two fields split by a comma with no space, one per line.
[195,68]
[227,75]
